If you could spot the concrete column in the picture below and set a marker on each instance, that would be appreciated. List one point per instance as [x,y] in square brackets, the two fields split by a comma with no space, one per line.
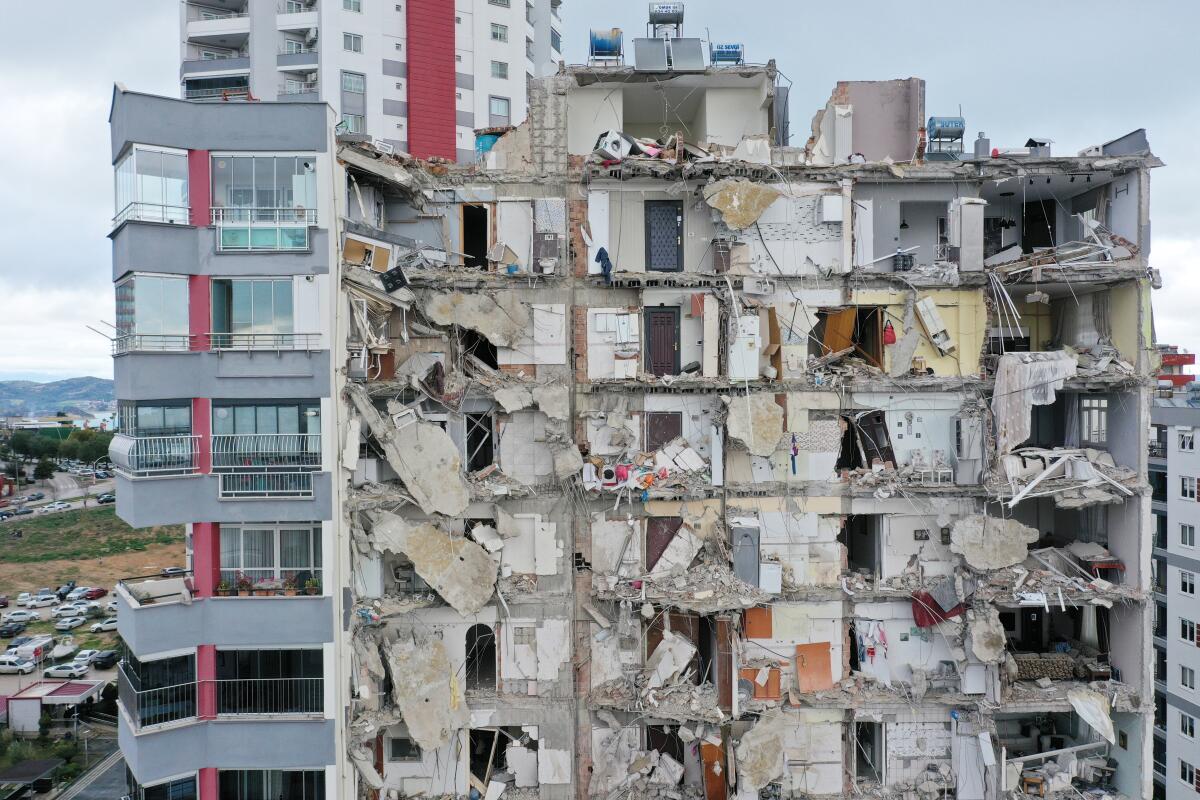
[202,427]
[199,187]
[206,675]
[199,311]
[208,783]
[206,557]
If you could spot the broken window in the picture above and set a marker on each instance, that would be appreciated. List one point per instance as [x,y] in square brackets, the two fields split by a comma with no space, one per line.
[475,238]
[855,331]
[687,625]
[480,665]
[661,428]
[489,754]
[480,441]
[473,343]
[402,748]
[1038,224]
[1093,421]
[659,533]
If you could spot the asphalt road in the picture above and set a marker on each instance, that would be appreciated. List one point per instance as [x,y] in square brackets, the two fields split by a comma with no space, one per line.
[104,782]
[65,488]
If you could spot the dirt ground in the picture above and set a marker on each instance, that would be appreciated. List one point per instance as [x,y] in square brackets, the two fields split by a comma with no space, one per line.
[16,578]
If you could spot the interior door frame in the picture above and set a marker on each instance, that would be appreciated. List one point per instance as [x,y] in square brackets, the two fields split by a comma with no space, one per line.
[678,206]
[677,316]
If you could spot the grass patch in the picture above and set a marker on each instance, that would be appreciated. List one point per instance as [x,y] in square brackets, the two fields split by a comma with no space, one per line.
[80,534]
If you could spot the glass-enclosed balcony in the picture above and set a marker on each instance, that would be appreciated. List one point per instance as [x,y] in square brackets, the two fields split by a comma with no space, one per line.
[152,186]
[263,202]
[154,440]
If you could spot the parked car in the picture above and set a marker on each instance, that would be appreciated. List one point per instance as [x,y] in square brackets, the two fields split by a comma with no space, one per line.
[73,669]
[106,498]
[10,629]
[69,623]
[65,589]
[68,610]
[95,593]
[43,600]
[15,665]
[173,572]
[111,606]
[23,598]
[106,659]
[57,505]
[86,656]
[108,624]
[77,593]
[3,601]
[22,615]
[20,512]
[37,496]
[5,515]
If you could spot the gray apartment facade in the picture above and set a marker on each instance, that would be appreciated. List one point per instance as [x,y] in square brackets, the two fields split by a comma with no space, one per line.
[1174,469]
[222,264]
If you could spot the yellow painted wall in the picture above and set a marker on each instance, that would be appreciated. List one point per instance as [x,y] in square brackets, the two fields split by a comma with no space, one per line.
[964,314]
[1130,307]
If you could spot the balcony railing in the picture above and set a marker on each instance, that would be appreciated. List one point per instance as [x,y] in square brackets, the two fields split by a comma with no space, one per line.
[265,485]
[264,341]
[247,229]
[272,581]
[295,7]
[269,696]
[298,88]
[298,50]
[242,452]
[152,212]
[196,14]
[1158,449]
[154,456]
[152,343]
[155,706]
[215,94]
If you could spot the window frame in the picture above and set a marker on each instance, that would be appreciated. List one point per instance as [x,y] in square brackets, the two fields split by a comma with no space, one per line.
[1187,672]
[355,123]
[1187,488]
[355,39]
[277,569]
[1187,630]
[411,759]
[1187,725]
[498,32]
[1187,535]
[361,80]
[1093,420]
[1185,440]
[1187,582]
[354,6]
[500,74]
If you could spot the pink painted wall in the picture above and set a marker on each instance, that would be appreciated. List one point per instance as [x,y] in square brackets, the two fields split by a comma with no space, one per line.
[206,557]
[199,188]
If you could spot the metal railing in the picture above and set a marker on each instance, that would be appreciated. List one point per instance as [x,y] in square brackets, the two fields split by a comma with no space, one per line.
[1160,767]
[298,50]
[271,216]
[151,456]
[259,696]
[298,88]
[265,451]
[272,581]
[263,341]
[1158,449]
[295,7]
[145,590]
[213,94]
[257,485]
[152,212]
[152,343]
[197,14]
[155,706]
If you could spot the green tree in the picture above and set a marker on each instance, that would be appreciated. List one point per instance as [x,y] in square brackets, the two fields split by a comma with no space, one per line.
[24,443]
[44,727]
[44,470]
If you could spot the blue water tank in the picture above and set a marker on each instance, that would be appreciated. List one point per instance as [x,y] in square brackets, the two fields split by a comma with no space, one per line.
[606,43]
[946,128]
[726,53]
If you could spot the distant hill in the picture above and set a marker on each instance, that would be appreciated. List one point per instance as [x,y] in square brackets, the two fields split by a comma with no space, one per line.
[30,397]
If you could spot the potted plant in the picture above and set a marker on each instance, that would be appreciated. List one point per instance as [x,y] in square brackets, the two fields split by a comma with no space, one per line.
[224,589]
[266,587]
[312,586]
[244,584]
[289,586]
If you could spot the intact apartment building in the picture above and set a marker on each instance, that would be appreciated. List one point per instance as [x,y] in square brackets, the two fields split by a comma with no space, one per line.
[420,75]
[1174,469]
[652,456]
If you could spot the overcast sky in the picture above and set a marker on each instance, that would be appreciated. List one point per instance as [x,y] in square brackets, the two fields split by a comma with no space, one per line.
[1077,72]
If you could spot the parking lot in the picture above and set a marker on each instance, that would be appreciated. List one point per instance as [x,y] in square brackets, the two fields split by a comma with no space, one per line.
[11,684]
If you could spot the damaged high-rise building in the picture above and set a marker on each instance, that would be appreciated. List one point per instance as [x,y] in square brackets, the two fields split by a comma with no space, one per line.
[649,456]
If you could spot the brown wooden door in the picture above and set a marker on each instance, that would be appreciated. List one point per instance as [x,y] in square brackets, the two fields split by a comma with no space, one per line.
[662,341]
[661,427]
[814,672]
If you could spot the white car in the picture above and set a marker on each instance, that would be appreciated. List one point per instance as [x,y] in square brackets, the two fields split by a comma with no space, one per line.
[23,598]
[22,615]
[111,606]
[74,669]
[109,624]
[13,664]
[69,623]
[68,610]
[77,593]
[86,656]
[42,601]
[56,506]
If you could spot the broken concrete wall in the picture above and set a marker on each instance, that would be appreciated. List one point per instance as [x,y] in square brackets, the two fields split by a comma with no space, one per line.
[988,543]
[756,421]
[524,453]
[797,624]
[905,652]
[500,316]
[531,544]
[799,534]
[916,740]
[460,570]
[626,234]
[814,752]
[426,689]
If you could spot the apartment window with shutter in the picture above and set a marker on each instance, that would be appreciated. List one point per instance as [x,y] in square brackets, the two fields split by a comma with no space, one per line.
[499,32]
[352,42]
[1094,420]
